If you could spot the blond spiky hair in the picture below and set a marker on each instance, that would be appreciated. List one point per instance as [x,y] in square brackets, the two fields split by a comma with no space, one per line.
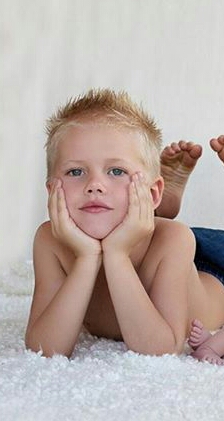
[105,106]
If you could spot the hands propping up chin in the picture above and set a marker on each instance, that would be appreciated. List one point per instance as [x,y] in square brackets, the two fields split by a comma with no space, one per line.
[137,224]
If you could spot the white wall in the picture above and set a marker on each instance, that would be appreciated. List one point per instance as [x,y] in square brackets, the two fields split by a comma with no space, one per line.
[166,53]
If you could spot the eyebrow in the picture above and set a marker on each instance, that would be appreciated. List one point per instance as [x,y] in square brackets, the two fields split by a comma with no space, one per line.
[108,161]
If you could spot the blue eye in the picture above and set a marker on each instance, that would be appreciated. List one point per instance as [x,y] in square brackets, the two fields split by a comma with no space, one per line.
[75,172]
[117,171]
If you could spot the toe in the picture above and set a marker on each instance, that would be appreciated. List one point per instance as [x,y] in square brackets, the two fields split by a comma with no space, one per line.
[221,139]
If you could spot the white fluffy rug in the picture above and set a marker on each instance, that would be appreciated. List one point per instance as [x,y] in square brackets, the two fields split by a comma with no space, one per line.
[102,381]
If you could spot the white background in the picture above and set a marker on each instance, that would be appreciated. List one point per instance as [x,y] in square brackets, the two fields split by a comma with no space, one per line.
[168,54]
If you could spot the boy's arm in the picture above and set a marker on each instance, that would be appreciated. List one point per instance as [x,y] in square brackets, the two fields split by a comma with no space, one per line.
[155,324]
[60,302]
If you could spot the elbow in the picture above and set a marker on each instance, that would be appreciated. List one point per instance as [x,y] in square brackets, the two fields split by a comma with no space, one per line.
[169,345]
[179,348]
[157,351]
[32,345]
[45,349]
[173,347]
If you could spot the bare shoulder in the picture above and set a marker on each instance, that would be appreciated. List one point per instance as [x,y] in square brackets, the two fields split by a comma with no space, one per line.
[44,250]
[172,231]
[172,242]
[43,233]
[49,249]
[172,238]
[46,254]
[45,242]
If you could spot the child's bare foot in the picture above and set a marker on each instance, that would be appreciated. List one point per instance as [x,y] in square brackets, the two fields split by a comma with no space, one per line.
[201,341]
[204,353]
[177,162]
[217,144]
[198,334]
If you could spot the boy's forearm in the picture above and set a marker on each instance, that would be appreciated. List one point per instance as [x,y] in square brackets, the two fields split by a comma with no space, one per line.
[143,328]
[57,329]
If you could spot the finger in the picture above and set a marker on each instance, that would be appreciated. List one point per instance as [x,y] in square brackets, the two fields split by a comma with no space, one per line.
[60,199]
[144,197]
[139,191]
[51,184]
[62,210]
[52,204]
[133,209]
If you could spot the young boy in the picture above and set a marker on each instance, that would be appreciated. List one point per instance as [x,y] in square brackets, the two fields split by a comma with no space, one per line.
[103,261]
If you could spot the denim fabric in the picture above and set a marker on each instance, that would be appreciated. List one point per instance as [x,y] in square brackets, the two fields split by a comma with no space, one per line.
[209,256]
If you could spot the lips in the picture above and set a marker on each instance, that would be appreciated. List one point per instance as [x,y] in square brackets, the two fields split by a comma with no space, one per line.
[95,207]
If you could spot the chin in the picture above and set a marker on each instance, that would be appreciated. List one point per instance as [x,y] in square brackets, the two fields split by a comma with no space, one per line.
[95,230]
[97,234]
[98,228]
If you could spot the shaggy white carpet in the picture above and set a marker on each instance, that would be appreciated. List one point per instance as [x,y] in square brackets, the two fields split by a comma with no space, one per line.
[102,381]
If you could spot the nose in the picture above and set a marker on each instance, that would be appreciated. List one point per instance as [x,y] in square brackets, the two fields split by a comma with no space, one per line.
[95,186]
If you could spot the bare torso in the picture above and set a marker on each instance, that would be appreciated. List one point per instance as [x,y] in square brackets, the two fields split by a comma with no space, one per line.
[100,319]
[206,293]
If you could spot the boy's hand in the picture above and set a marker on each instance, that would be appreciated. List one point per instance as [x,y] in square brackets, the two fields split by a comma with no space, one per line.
[64,228]
[139,221]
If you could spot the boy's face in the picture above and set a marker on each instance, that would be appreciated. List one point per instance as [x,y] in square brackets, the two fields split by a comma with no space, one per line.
[95,165]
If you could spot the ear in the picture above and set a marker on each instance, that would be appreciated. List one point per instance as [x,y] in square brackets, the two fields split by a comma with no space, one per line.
[157,191]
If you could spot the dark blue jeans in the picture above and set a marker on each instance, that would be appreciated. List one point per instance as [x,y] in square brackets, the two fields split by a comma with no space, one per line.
[209,256]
